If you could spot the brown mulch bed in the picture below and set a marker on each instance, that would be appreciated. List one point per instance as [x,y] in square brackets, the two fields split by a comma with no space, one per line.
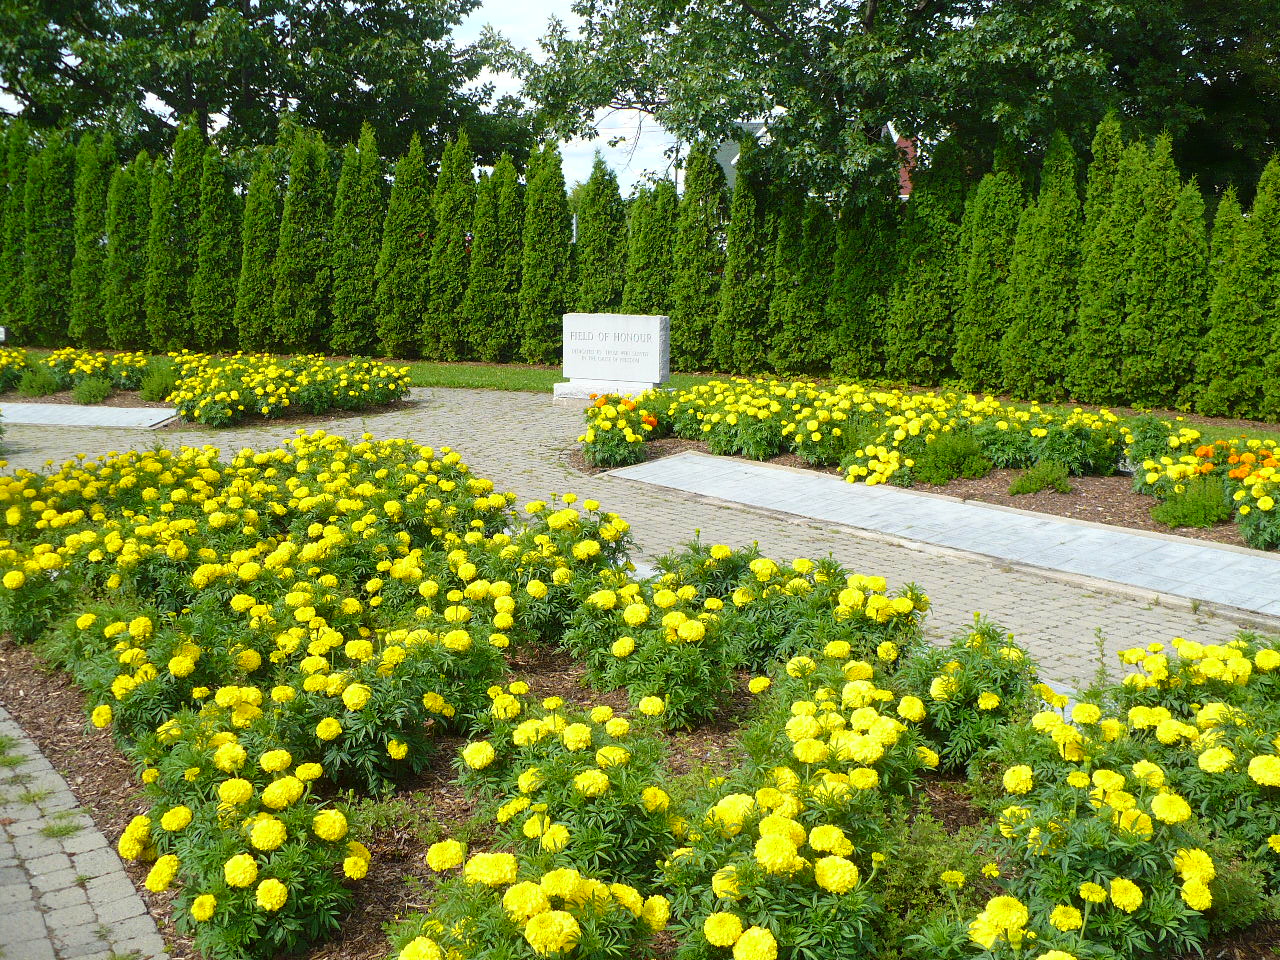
[118,398]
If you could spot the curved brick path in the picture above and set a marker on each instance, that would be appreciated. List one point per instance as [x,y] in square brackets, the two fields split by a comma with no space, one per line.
[523,443]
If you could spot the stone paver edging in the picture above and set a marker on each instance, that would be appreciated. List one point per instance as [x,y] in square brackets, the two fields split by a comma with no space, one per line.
[64,894]
[76,415]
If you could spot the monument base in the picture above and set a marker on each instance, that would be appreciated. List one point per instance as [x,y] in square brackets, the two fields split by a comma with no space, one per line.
[579,391]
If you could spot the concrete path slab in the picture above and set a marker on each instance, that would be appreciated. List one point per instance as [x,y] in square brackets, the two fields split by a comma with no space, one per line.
[74,415]
[1248,580]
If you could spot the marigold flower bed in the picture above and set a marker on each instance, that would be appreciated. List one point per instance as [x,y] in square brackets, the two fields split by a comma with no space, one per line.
[261,632]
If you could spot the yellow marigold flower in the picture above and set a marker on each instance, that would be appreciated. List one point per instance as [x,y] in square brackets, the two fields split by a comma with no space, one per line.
[14,579]
[1093,893]
[756,943]
[491,869]
[623,647]
[655,799]
[1194,864]
[576,736]
[328,729]
[1196,895]
[1066,918]
[272,894]
[101,716]
[656,912]
[953,878]
[268,834]
[835,874]
[724,883]
[591,783]
[355,868]
[240,871]
[282,792]
[777,854]
[478,755]
[307,772]
[759,684]
[1086,713]
[1170,808]
[1126,894]
[329,825]
[1018,779]
[830,839]
[911,709]
[524,900]
[722,929]
[202,907]
[988,701]
[445,855]
[552,931]
[1265,770]
[555,838]
[651,706]
[273,761]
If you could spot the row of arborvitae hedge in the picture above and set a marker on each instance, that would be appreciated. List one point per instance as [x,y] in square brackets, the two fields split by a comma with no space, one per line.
[260,631]
[1104,285]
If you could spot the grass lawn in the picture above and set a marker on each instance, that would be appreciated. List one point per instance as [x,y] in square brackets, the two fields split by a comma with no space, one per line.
[512,376]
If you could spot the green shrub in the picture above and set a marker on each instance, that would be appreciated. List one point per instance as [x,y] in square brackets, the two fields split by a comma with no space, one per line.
[951,455]
[1202,502]
[38,382]
[158,383]
[1044,475]
[91,390]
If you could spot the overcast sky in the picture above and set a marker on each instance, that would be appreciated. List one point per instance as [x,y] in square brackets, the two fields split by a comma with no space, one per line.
[523,22]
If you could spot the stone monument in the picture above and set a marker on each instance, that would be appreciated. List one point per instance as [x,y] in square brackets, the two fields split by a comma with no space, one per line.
[613,353]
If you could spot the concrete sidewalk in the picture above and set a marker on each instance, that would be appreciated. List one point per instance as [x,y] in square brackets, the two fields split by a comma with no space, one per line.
[1202,571]
[75,415]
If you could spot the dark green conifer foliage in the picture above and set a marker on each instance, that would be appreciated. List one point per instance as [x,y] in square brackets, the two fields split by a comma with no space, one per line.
[357,241]
[443,335]
[1237,358]
[481,310]
[259,234]
[502,340]
[801,341]
[739,338]
[985,308]
[1179,311]
[301,298]
[1097,351]
[651,233]
[213,288]
[95,162]
[865,262]
[1153,286]
[49,244]
[545,265]
[1035,350]
[16,148]
[185,174]
[1108,145]
[125,274]
[698,261]
[601,247]
[919,321]
[166,299]
[404,263]
[1226,222]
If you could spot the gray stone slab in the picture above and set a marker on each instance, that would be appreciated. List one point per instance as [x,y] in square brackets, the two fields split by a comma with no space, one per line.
[73,415]
[1193,570]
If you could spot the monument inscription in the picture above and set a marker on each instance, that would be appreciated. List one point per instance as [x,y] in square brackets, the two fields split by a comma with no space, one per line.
[614,353]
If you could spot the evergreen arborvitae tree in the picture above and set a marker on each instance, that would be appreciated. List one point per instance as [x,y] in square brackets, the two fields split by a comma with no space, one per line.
[863,272]
[213,288]
[166,297]
[301,298]
[498,337]
[545,265]
[698,262]
[17,147]
[124,307]
[49,243]
[1181,307]
[405,260]
[1035,350]
[601,247]
[1237,359]
[481,312]
[1097,351]
[801,340]
[919,319]
[443,335]
[357,241]
[1154,285]
[650,240]
[985,307]
[259,233]
[185,173]
[738,339]
[1226,221]
[95,162]
[1108,146]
